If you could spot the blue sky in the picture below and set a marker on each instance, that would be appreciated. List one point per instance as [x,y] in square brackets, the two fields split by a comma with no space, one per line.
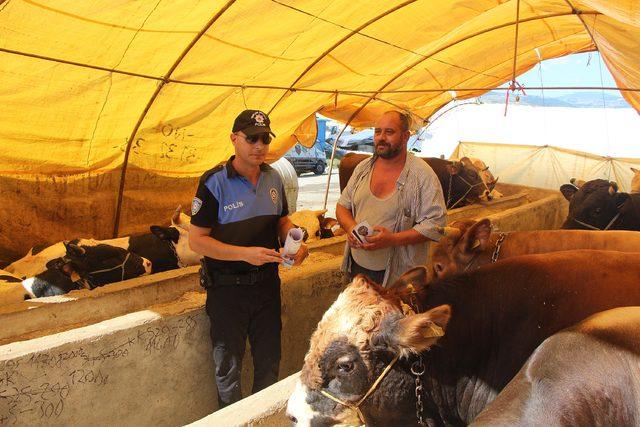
[572,70]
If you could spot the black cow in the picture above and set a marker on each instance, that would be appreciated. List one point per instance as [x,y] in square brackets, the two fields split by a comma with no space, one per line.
[461,185]
[486,324]
[166,248]
[597,205]
[585,376]
[86,267]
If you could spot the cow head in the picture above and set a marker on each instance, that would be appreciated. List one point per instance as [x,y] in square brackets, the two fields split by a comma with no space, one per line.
[463,242]
[100,264]
[329,227]
[593,205]
[467,181]
[178,238]
[485,175]
[88,265]
[361,334]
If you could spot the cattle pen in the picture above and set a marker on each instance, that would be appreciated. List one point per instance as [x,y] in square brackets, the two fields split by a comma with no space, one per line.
[122,353]
[114,113]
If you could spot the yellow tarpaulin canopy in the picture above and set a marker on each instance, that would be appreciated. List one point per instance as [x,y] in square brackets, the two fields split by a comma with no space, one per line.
[112,109]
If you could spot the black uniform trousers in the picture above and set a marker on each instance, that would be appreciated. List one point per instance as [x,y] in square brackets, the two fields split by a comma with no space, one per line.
[237,311]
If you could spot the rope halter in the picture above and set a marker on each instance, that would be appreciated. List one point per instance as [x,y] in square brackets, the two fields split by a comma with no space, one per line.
[87,283]
[591,227]
[469,188]
[356,406]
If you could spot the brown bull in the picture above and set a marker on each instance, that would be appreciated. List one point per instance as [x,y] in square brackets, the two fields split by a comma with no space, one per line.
[486,324]
[460,181]
[470,244]
[580,376]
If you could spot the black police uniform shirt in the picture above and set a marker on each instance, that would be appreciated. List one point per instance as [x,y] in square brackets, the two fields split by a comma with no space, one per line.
[239,213]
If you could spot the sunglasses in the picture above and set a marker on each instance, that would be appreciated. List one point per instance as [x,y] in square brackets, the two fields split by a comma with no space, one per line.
[252,139]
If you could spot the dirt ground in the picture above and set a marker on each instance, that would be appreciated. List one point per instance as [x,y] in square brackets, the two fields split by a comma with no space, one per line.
[311,192]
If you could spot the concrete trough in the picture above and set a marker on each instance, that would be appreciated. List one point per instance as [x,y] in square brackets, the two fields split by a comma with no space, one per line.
[138,352]
[151,366]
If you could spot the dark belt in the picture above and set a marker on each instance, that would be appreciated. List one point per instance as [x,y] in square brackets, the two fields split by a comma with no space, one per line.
[251,277]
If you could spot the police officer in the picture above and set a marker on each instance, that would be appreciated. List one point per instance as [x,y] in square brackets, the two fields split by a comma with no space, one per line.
[238,222]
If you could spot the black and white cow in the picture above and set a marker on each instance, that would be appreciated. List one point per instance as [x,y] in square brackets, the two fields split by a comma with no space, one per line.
[86,267]
[166,248]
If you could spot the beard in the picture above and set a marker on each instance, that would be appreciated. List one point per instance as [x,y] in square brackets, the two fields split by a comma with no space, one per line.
[386,151]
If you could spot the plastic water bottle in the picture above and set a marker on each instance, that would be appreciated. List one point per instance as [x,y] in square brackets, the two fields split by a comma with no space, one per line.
[291,245]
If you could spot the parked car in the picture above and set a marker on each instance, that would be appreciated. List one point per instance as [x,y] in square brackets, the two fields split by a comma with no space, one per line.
[361,141]
[339,152]
[306,159]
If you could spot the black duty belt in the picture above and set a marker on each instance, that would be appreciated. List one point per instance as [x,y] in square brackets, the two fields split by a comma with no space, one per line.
[223,278]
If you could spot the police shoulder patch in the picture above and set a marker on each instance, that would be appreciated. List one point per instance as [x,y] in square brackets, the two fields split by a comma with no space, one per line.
[195,206]
[274,195]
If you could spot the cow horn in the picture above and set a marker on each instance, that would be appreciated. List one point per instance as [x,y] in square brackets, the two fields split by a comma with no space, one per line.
[449,231]
[176,215]
[492,185]
[577,182]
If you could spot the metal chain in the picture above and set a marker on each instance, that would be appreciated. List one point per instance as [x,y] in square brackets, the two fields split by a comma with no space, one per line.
[175,253]
[417,369]
[496,253]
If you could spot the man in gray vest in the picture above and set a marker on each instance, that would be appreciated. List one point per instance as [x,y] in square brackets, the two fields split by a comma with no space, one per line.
[400,196]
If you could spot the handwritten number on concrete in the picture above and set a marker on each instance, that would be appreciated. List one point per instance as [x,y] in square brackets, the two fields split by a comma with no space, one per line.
[24,400]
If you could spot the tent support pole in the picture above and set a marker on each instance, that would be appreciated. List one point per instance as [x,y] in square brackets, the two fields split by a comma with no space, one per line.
[165,80]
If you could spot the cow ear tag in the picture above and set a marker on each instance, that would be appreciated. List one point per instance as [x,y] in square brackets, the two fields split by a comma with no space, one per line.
[406,308]
[475,244]
[75,277]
